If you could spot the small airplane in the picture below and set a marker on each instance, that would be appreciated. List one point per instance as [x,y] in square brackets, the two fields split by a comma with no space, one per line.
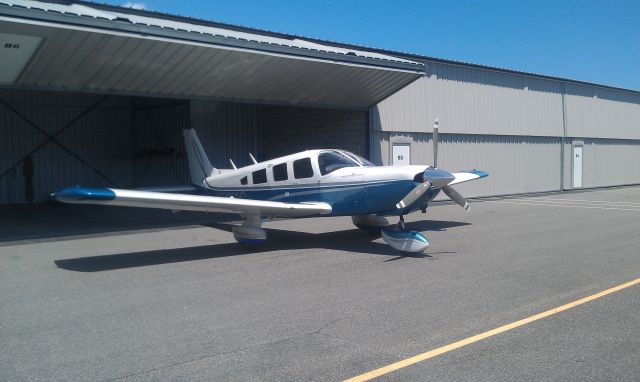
[311,183]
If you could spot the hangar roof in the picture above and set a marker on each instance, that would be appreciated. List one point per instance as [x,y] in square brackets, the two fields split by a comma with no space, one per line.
[81,46]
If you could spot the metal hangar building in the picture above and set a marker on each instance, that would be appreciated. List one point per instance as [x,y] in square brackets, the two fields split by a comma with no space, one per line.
[98,95]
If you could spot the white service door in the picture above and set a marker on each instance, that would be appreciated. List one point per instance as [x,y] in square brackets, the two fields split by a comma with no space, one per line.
[401,154]
[577,166]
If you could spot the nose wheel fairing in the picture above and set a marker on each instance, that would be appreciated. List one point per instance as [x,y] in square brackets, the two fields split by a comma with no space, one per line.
[405,241]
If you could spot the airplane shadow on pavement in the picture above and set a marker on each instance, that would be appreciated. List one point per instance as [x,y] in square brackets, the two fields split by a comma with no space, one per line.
[353,240]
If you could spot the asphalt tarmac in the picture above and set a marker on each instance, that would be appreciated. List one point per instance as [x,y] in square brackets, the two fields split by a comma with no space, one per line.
[105,294]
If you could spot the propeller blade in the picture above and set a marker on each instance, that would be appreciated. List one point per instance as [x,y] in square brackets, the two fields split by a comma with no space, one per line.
[456,197]
[435,143]
[412,196]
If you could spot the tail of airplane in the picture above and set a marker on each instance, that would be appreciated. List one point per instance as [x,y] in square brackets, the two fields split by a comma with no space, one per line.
[199,165]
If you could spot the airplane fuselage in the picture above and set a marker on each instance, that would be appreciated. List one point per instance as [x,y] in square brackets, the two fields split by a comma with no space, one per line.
[351,190]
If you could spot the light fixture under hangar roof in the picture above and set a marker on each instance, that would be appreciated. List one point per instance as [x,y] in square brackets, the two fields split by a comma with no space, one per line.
[95,48]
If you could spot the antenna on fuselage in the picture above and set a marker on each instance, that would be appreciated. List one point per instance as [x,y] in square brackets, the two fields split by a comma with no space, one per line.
[253,159]
[232,164]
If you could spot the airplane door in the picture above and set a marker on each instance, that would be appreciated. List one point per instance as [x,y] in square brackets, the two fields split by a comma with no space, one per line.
[577,166]
[401,154]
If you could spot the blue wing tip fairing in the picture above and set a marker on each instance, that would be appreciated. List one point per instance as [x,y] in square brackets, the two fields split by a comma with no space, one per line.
[480,173]
[76,194]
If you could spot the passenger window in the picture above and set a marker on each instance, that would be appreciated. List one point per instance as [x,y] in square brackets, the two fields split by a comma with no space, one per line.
[259,176]
[243,181]
[302,168]
[280,172]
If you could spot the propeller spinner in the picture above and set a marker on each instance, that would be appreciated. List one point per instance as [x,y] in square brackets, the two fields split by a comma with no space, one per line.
[434,177]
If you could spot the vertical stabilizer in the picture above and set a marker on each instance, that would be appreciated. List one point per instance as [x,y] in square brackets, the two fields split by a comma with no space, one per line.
[199,165]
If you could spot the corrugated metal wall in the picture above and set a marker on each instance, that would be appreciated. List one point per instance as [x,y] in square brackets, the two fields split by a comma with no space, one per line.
[112,141]
[516,164]
[610,162]
[159,154]
[100,137]
[472,101]
[602,113]
[286,130]
[512,126]
[226,130]
[137,142]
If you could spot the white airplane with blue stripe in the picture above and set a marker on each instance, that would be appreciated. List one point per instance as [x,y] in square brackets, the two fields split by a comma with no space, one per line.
[306,184]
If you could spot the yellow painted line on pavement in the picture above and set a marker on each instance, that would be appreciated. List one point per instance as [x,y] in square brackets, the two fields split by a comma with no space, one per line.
[478,337]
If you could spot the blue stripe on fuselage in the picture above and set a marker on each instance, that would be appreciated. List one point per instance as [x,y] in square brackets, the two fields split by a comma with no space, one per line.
[345,198]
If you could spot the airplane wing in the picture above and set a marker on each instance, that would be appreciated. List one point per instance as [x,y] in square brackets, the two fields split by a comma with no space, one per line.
[465,176]
[149,199]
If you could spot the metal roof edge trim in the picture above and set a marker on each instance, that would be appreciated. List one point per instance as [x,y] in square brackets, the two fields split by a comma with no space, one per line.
[117,26]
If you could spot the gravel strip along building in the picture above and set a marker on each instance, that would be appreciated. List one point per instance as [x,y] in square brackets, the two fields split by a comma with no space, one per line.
[97,95]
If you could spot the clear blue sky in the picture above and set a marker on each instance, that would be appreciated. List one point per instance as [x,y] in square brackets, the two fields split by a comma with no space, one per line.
[595,41]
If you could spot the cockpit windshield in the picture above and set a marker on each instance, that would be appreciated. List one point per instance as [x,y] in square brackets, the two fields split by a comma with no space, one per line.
[330,161]
[363,162]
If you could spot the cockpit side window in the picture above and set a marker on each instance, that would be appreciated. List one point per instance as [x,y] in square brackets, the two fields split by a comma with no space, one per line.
[259,176]
[280,172]
[330,161]
[243,181]
[302,168]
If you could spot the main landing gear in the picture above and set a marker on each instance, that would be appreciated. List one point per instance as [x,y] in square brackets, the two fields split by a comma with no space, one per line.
[250,232]
[370,223]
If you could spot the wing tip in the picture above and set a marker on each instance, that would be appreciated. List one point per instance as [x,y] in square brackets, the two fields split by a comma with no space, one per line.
[480,173]
[79,194]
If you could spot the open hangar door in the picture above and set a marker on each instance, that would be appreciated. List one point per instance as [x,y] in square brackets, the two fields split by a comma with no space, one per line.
[99,95]
[52,140]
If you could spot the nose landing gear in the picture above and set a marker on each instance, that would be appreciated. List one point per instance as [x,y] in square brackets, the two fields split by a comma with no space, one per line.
[400,225]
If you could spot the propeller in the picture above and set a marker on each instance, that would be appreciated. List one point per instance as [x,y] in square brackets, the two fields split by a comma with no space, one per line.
[414,195]
[456,197]
[434,177]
